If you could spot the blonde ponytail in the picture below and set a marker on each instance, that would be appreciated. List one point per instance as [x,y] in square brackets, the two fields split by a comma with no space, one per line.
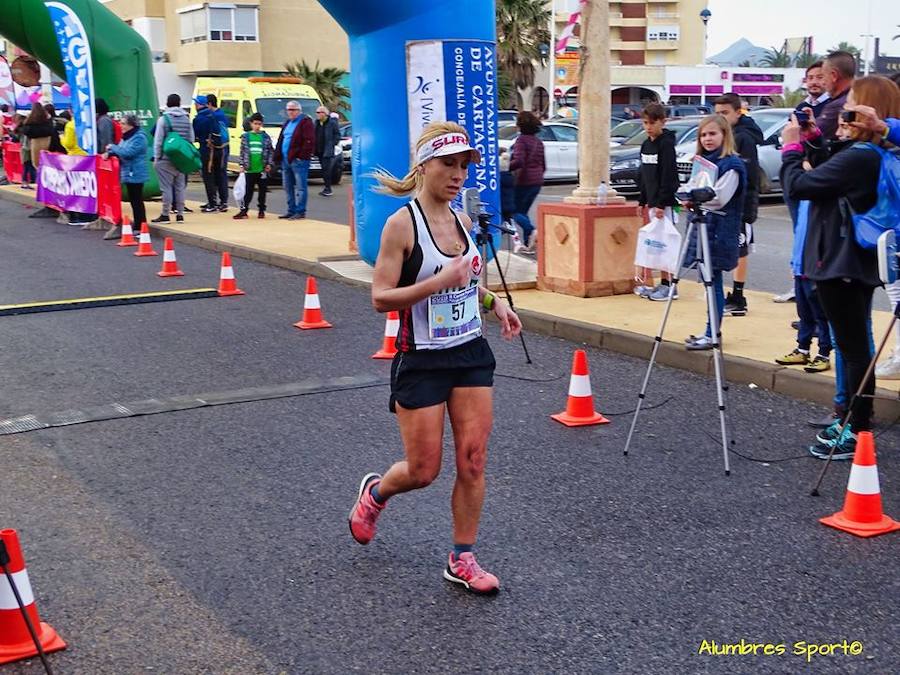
[412,182]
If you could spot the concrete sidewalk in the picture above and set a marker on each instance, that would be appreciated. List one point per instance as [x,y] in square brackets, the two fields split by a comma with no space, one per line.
[625,324]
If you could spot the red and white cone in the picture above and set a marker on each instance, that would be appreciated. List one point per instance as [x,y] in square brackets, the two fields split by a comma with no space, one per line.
[227,283]
[170,264]
[127,238]
[391,328]
[145,247]
[312,309]
[15,640]
[579,410]
[862,514]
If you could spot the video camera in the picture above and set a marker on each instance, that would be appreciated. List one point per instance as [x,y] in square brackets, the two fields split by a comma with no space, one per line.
[474,208]
[696,196]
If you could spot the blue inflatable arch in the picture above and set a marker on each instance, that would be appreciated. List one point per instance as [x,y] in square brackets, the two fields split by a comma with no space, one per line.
[450,73]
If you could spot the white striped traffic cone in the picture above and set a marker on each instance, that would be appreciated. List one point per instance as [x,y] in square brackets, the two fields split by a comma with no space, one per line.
[579,410]
[391,328]
[227,283]
[170,264]
[312,309]
[145,247]
[862,514]
[15,640]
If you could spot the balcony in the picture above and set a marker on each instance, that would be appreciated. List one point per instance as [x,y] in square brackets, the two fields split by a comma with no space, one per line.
[663,17]
[661,45]
[623,22]
[212,57]
[618,45]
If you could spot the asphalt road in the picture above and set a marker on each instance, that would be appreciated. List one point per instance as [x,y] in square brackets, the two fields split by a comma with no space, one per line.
[215,540]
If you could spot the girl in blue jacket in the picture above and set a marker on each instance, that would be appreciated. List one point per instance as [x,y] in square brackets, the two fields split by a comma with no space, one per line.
[133,168]
[715,143]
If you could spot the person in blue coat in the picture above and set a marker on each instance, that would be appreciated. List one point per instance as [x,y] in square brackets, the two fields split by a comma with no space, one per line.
[715,143]
[133,164]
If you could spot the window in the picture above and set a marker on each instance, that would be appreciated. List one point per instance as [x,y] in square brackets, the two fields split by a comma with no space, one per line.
[219,23]
[662,33]
[272,109]
[565,133]
[193,25]
[229,109]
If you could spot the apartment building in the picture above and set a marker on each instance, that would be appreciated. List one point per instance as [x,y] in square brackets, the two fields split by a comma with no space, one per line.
[190,38]
[646,36]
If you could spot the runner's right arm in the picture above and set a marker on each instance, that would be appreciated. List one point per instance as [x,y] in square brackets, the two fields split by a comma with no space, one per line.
[396,244]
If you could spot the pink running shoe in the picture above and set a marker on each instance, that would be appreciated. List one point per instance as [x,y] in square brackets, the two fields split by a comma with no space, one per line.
[366,510]
[467,572]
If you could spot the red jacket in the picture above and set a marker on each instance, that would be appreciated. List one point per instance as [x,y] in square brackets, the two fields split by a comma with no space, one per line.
[527,163]
[303,141]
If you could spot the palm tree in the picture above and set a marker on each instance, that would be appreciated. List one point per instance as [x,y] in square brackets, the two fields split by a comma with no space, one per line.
[326,81]
[790,99]
[522,27]
[776,58]
[850,49]
[806,60]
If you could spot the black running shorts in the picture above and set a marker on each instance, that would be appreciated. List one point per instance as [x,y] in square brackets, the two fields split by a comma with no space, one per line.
[746,240]
[425,378]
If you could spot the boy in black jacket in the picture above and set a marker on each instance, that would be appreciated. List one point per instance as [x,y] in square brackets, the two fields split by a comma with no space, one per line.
[747,136]
[658,182]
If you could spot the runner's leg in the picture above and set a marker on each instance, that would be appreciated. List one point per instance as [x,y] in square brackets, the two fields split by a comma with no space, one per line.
[471,417]
[422,433]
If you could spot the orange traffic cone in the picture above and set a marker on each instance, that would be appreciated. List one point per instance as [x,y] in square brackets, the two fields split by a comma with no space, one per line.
[312,310]
[127,234]
[15,640]
[579,410]
[862,514]
[227,284]
[389,346]
[145,248]
[170,264]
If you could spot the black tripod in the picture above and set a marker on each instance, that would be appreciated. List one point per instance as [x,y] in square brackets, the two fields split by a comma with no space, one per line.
[698,219]
[485,242]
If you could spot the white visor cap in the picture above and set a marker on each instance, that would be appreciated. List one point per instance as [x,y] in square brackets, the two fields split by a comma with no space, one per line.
[447,144]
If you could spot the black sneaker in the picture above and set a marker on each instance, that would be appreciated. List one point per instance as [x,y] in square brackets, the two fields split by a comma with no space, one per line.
[844,448]
[162,219]
[326,193]
[827,421]
[202,207]
[187,210]
[179,219]
[735,306]
[223,208]
[286,216]
[209,208]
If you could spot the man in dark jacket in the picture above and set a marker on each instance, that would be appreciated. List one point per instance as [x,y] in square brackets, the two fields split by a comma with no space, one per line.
[206,133]
[295,147]
[658,182]
[328,135]
[747,136]
[839,69]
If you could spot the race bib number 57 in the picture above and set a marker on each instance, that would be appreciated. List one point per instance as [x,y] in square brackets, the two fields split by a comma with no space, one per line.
[452,313]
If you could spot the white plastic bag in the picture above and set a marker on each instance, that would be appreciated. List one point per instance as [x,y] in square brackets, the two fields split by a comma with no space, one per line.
[240,189]
[658,246]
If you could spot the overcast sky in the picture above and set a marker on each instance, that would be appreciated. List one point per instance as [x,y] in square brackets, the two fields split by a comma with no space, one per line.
[767,23]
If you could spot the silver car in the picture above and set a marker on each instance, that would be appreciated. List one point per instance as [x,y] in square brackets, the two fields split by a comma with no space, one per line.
[771,121]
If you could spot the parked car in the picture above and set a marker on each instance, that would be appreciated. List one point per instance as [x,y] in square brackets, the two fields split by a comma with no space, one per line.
[771,121]
[625,160]
[346,146]
[506,117]
[622,131]
[687,110]
[560,139]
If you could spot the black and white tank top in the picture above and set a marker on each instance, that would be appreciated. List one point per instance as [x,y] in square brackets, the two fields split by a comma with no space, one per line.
[450,317]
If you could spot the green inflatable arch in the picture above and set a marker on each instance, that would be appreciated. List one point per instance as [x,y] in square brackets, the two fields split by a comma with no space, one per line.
[123,74]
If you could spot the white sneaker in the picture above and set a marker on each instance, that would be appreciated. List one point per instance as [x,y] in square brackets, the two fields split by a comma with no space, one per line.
[890,369]
[644,291]
[784,297]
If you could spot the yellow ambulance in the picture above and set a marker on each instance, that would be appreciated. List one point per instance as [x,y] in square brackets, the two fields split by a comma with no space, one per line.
[240,97]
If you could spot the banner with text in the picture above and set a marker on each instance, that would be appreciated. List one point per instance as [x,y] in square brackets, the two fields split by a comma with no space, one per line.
[76,57]
[68,182]
[7,91]
[456,81]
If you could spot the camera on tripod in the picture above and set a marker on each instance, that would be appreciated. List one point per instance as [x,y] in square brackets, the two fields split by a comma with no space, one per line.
[695,197]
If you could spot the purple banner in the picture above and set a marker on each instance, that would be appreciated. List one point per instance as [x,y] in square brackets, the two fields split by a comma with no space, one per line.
[68,182]
[759,90]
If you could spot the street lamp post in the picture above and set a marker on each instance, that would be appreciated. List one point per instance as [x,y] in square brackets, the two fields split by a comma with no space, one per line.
[705,14]
[551,104]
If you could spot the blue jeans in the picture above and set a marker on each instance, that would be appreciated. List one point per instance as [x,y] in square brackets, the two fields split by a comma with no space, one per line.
[811,317]
[841,395]
[719,293]
[295,177]
[525,196]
